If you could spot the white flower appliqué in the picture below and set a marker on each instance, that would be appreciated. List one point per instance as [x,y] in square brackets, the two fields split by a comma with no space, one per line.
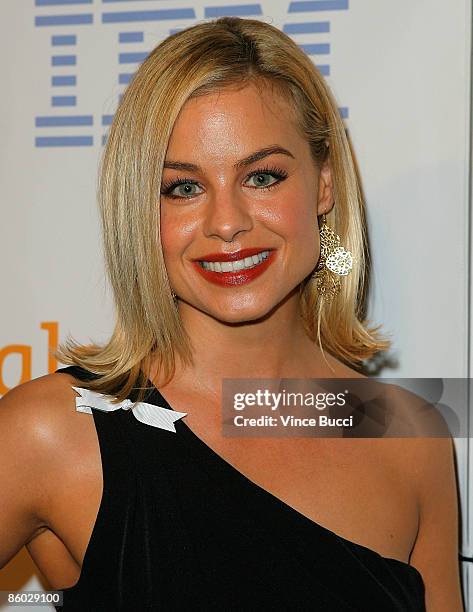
[150,414]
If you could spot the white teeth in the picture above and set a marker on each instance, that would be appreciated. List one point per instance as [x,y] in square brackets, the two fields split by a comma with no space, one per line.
[235,266]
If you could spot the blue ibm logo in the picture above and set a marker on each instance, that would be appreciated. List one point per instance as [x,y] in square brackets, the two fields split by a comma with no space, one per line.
[69,124]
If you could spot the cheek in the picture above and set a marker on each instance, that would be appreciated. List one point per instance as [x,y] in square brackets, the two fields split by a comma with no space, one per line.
[176,232]
[299,223]
[306,241]
[168,237]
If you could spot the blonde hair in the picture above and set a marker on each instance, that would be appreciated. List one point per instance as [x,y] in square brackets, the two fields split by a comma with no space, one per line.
[198,60]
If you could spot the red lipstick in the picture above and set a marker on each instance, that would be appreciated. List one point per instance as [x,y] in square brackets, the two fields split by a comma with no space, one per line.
[238,277]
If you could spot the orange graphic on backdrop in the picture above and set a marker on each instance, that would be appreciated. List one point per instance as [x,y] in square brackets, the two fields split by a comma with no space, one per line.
[25,353]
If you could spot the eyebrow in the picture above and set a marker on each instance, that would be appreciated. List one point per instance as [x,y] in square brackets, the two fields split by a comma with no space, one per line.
[247,161]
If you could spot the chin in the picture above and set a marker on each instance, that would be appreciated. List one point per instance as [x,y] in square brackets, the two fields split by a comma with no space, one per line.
[239,315]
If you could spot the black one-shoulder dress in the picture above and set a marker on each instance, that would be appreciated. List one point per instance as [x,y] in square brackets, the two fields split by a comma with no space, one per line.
[179,528]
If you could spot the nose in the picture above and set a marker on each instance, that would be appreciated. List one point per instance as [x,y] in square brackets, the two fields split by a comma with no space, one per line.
[226,215]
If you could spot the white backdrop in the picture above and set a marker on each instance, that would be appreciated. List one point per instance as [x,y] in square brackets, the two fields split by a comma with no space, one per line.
[401,74]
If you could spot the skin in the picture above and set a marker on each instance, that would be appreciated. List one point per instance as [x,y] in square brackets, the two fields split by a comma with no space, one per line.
[249,331]
[228,212]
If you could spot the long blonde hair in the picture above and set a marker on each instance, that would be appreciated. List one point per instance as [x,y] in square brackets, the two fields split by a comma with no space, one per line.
[195,61]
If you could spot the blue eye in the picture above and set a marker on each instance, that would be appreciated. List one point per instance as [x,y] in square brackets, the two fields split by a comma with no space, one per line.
[262,174]
[262,178]
[185,186]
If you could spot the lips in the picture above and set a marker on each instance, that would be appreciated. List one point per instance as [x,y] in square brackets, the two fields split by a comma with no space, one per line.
[235,277]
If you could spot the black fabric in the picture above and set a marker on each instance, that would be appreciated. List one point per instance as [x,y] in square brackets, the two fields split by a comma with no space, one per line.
[179,528]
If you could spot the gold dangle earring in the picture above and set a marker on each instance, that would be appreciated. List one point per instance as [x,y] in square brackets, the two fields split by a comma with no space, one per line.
[334,262]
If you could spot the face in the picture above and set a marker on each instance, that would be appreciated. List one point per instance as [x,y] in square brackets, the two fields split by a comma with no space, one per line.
[240,197]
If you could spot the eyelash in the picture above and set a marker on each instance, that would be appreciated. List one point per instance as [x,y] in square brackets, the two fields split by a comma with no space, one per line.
[277,173]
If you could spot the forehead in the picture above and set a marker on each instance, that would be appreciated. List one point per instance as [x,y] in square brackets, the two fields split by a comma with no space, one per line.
[232,119]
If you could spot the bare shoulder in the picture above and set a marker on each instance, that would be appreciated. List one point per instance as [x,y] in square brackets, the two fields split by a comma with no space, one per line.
[422,458]
[42,430]
[427,460]
[45,391]
[412,414]
[45,446]
[41,412]
[436,549]
[417,443]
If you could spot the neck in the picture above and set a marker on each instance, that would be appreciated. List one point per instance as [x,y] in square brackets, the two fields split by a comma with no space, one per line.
[275,346]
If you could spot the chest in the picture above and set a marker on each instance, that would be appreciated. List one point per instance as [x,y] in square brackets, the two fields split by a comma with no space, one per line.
[355,488]
[358,488]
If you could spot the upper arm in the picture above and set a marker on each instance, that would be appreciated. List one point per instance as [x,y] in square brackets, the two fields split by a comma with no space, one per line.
[436,549]
[29,430]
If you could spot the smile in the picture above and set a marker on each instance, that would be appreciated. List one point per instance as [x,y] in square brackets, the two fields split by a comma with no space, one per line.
[235,266]
[235,273]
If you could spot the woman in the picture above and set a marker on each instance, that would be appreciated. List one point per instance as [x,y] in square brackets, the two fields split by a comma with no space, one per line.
[226,146]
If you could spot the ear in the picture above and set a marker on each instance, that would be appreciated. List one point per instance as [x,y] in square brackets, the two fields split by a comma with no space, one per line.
[325,199]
